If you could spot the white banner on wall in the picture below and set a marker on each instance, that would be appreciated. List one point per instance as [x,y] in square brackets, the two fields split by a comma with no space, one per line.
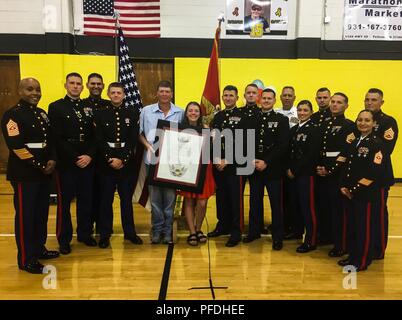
[256,19]
[373,20]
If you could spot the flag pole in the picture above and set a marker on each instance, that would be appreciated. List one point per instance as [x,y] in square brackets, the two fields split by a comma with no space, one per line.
[211,96]
[221,19]
[116,15]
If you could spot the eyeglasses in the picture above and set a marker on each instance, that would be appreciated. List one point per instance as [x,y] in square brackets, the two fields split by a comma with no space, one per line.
[256,9]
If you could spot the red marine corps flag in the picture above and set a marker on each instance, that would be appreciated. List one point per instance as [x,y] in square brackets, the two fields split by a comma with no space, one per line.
[211,95]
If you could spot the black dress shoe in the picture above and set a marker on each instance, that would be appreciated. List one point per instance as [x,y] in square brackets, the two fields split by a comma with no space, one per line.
[134,239]
[336,253]
[277,245]
[292,236]
[305,247]
[34,267]
[232,243]
[90,242]
[49,254]
[249,238]
[216,233]
[104,243]
[378,258]
[344,262]
[65,249]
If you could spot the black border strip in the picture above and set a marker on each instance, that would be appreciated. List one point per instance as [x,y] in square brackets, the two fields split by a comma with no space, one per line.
[166,273]
[169,48]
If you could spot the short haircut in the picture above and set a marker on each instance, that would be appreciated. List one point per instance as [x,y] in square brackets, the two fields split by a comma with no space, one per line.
[288,87]
[376,90]
[269,90]
[231,88]
[95,75]
[164,84]
[115,85]
[324,89]
[306,102]
[73,74]
[251,85]
[366,110]
[342,95]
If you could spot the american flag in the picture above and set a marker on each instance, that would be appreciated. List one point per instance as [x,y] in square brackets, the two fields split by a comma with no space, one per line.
[133,100]
[138,18]
[127,75]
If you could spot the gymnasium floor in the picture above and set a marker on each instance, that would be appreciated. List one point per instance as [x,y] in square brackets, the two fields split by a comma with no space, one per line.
[250,271]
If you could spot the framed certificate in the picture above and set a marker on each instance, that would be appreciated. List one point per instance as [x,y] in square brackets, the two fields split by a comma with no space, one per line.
[179,158]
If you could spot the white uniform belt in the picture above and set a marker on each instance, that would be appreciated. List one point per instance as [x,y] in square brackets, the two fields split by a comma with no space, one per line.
[36,145]
[332,154]
[116,144]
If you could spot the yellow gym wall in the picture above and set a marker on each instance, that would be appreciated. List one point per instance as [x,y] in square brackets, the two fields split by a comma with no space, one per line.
[353,77]
[51,70]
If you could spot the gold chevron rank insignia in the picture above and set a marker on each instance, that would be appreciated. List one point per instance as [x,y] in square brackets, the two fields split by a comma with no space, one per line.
[12,128]
[350,138]
[389,134]
[378,158]
[365,182]
[23,153]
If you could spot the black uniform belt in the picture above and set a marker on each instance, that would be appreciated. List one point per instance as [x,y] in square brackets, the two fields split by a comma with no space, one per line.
[80,139]
[116,144]
[36,145]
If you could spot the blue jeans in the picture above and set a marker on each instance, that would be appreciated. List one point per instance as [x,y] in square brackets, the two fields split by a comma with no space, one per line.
[163,201]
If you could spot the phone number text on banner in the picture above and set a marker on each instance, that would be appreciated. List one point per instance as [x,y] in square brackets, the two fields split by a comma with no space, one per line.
[373,20]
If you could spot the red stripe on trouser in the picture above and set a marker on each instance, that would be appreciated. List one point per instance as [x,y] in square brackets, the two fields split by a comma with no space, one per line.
[344,229]
[21,223]
[241,206]
[59,207]
[313,213]
[382,222]
[367,242]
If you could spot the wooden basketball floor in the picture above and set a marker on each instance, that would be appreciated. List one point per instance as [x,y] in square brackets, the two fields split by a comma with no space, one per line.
[250,271]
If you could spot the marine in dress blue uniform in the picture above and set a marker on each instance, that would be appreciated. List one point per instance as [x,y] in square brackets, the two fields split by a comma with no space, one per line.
[229,186]
[337,134]
[360,183]
[116,129]
[73,132]
[320,118]
[303,157]
[26,130]
[251,96]
[386,129]
[272,138]
[94,101]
